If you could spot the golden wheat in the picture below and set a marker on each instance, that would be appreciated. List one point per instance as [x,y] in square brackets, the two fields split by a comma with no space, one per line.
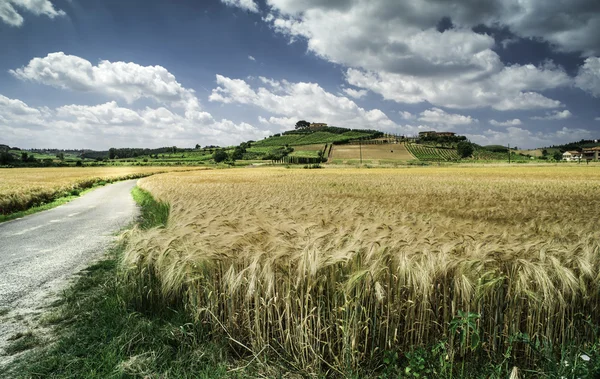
[332,267]
[21,188]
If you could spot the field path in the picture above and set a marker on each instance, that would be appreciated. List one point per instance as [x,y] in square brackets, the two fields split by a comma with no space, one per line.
[40,252]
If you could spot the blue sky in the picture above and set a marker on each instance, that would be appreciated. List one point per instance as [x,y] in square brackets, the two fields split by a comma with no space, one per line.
[105,73]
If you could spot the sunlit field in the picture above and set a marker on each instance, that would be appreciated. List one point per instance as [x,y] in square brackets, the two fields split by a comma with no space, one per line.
[336,269]
[21,188]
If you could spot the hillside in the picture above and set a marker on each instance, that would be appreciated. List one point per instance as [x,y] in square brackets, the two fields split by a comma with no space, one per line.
[321,136]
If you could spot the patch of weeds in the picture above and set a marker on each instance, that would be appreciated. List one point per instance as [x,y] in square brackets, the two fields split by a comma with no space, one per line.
[4,311]
[21,342]
[19,317]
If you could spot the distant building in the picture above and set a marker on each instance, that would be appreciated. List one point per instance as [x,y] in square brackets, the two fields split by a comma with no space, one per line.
[591,153]
[436,134]
[571,156]
[318,125]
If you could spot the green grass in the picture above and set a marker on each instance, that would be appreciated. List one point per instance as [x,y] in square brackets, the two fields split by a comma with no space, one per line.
[154,213]
[21,342]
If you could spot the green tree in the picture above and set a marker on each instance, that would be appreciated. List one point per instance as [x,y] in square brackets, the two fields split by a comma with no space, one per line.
[220,155]
[24,157]
[302,124]
[545,152]
[60,156]
[464,149]
[6,158]
[557,156]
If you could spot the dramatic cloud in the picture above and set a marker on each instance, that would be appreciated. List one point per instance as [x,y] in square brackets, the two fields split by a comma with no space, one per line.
[298,101]
[247,5]
[556,115]
[357,94]
[342,30]
[12,17]
[513,122]
[426,50]
[436,116]
[128,81]
[588,78]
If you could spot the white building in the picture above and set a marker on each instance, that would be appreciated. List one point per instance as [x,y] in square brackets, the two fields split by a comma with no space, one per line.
[571,156]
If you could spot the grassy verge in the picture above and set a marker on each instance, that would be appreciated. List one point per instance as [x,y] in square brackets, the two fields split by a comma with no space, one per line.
[101,335]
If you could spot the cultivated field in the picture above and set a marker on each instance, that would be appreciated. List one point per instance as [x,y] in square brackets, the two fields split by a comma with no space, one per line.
[386,152]
[22,188]
[335,269]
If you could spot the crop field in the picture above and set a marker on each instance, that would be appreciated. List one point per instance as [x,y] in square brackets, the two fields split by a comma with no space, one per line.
[22,188]
[386,151]
[309,139]
[426,153]
[333,269]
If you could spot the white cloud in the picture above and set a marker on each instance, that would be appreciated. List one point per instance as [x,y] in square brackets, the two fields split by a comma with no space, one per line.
[511,88]
[597,119]
[407,115]
[15,111]
[247,5]
[105,125]
[527,139]
[436,116]
[588,78]
[357,94]
[555,115]
[12,17]
[251,58]
[128,81]
[512,122]
[300,101]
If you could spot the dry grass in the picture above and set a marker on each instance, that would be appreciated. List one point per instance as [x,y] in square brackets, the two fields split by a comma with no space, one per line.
[330,268]
[387,152]
[22,188]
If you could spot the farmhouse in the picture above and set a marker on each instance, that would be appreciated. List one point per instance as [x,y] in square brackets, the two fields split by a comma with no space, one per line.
[591,153]
[436,134]
[317,125]
[571,156]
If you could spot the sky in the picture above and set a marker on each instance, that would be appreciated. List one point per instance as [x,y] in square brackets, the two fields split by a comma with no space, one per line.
[96,74]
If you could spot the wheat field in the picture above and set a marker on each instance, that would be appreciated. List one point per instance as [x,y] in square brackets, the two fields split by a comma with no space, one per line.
[22,188]
[331,268]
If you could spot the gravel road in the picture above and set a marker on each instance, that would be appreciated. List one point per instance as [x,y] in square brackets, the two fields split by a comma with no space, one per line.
[40,252]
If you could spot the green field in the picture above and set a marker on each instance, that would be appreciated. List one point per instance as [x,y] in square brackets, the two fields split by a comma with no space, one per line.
[310,139]
[427,153]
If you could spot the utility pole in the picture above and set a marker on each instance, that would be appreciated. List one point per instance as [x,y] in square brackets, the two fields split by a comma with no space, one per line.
[360,149]
[509,153]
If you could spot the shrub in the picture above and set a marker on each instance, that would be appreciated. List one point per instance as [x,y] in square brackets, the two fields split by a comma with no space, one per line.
[220,156]
[464,149]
